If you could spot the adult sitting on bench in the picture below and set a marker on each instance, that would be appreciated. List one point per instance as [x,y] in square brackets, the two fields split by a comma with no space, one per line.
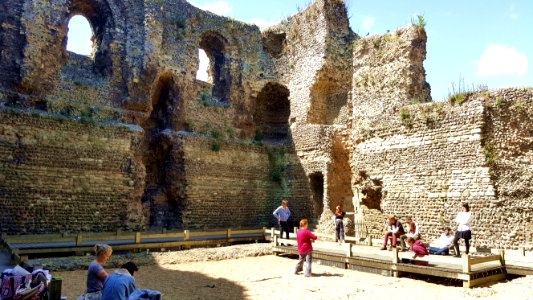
[393,229]
[441,246]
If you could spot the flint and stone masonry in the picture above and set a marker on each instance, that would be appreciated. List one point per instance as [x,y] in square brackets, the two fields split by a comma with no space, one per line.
[128,138]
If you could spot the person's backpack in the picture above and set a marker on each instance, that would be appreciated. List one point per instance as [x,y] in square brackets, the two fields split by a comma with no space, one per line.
[10,284]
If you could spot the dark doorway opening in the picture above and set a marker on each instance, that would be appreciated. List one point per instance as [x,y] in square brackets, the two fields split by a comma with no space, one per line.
[317,189]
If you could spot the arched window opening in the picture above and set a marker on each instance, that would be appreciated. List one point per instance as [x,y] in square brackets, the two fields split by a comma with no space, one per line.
[80,36]
[203,67]
[272,112]
[214,47]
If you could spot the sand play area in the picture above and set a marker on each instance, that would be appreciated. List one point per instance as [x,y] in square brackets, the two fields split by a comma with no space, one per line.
[209,274]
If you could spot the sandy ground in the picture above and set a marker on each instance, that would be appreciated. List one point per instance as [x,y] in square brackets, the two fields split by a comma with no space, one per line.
[271,277]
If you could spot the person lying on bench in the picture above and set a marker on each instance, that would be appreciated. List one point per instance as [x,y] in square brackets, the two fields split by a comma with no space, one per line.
[441,245]
[417,247]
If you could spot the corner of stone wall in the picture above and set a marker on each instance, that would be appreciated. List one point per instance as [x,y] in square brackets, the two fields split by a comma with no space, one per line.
[388,73]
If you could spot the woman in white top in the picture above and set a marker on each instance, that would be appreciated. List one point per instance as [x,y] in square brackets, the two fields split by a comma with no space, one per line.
[463,220]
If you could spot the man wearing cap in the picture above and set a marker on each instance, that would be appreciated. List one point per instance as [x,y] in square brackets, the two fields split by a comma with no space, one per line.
[441,245]
[393,229]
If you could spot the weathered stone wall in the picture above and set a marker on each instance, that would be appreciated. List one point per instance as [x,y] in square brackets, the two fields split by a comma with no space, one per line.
[235,185]
[61,175]
[508,148]
[426,168]
[424,160]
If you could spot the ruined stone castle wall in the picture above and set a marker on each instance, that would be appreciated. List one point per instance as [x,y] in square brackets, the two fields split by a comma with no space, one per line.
[315,64]
[61,175]
[305,110]
[424,159]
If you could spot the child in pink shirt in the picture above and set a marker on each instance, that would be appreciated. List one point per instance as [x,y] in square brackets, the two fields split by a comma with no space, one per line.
[417,247]
[305,248]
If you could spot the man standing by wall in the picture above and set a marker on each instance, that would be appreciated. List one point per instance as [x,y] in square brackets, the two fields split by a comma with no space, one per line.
[282,213]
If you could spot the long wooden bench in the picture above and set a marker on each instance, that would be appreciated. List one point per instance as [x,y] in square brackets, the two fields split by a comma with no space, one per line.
[23,245]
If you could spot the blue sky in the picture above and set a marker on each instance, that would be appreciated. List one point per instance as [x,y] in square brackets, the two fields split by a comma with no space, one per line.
[469,41]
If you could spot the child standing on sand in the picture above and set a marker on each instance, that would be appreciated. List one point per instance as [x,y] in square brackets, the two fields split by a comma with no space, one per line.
[305,248]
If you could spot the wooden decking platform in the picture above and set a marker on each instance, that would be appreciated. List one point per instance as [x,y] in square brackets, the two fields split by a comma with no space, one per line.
[472,270]
[29,245]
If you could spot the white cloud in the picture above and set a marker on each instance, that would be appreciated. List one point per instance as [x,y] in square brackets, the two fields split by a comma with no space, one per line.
[217,7]
[512,12]
[262,23]
[501,60]
[367,23]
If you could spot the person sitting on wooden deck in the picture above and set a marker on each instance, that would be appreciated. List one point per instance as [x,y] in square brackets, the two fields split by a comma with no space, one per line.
[412,230]
[394,229]
[441,246]
[96,273]
[417,247]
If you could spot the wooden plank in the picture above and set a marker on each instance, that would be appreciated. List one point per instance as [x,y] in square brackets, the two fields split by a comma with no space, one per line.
[484,280]
[466,263]
[428,270]
[323,235]
[348,249]
[518,270]
[473,260]
[162,235]
[247,231]
[79,239]
[208,233]
[19,239]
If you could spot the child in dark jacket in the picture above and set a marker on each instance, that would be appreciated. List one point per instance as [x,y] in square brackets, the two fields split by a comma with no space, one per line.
[417,247]
[305,248]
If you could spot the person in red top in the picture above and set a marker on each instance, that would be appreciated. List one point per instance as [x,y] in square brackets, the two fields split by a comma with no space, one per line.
[417,247]
[305,248]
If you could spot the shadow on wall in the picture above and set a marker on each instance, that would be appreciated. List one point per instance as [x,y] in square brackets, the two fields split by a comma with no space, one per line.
[161,200]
